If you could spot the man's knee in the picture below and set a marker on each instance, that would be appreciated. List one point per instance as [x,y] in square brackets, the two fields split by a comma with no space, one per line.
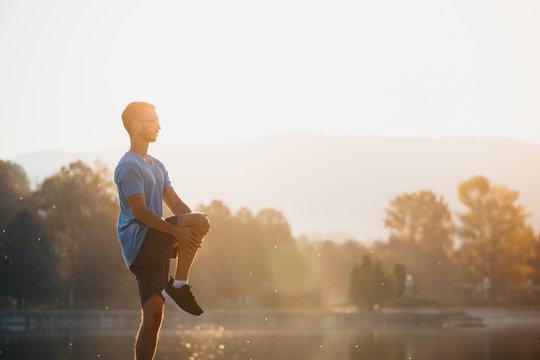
[200,218]
[198,221]
[203,221]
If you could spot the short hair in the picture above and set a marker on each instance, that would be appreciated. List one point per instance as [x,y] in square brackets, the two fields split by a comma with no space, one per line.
[132,110]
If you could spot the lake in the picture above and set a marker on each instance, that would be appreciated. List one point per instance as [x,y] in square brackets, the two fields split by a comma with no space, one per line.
[265,335]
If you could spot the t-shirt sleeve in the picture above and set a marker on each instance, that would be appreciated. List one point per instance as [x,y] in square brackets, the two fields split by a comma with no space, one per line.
[166,181]
[130,180]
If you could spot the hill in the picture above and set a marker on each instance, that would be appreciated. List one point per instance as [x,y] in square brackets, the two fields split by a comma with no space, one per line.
[323,185]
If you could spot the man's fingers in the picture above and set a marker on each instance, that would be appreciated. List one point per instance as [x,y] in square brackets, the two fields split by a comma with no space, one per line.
[191,239]
[192,246]
[197,236]
[196,239]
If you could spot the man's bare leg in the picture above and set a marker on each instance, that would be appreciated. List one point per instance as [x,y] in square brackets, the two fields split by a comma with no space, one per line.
[146,341]
[184,260]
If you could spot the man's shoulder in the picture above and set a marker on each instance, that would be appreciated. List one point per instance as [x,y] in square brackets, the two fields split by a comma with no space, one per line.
[127,158]
[157,161]
[128,161]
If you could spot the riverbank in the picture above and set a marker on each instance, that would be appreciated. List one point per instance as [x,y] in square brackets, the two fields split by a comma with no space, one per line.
[234,319]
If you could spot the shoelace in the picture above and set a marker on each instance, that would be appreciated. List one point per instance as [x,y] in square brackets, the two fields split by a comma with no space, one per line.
[188,290]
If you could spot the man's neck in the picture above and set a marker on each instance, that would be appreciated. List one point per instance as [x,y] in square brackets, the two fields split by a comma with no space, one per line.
[139,147]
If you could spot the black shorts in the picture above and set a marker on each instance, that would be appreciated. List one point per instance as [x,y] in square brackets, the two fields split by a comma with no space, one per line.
[151,265]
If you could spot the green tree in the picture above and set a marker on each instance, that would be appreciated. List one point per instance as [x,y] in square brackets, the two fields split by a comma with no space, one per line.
[497,242]
[79,208]
[14,190]
[246,258]
[400,274]
[371,284]
[354,284]
[534,262]
[420,237]
[333,261]
[384,284]
[286,268]
[27,260]
[250,272]
[217,261]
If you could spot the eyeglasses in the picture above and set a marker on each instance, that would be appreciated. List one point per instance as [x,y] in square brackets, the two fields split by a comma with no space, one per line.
[151,120]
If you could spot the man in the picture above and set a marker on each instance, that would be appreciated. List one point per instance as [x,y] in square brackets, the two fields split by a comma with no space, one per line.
[147,240]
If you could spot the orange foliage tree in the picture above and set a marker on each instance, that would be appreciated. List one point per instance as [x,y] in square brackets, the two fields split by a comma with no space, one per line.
[497,242]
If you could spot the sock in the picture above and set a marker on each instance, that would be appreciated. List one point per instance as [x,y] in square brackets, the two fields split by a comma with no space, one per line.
[179,283]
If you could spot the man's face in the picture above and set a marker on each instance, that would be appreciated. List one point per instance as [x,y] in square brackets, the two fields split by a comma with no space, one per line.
[147,125]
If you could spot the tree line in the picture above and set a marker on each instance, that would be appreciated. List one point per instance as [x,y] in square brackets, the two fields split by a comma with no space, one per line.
[59,249]
[492,244]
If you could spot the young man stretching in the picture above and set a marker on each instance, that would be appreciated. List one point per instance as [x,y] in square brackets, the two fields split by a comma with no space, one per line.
[148,241]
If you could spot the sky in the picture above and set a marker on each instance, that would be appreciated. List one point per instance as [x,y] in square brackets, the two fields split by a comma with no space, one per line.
[224,71]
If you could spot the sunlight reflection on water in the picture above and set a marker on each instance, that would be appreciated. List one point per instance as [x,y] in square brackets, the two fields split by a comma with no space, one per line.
[209,341]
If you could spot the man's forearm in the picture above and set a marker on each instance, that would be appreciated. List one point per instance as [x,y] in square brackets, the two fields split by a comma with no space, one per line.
[173,201]
[150,218]
[179,208]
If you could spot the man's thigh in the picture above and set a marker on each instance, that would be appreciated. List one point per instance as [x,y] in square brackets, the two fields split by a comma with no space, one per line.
[151,265]
[151,278]
[157,246]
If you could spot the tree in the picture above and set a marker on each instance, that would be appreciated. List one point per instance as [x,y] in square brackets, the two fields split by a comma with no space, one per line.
[420,228]
[286,268]
[334,260]
[355,287]
[79,208]
[534,262]
[371,284]
[400,274]
[497,243]
[14,189]
[27,260]
[247,257]
[218,257]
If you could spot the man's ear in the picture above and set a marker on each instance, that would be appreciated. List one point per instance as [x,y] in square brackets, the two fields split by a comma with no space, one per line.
[135,126]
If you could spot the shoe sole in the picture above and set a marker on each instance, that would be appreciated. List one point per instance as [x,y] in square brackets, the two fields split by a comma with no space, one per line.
[166,296]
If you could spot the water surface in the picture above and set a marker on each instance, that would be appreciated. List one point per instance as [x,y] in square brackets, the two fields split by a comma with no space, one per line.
[502,336]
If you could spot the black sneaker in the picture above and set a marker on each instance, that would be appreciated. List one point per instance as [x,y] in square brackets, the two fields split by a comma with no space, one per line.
[182,298]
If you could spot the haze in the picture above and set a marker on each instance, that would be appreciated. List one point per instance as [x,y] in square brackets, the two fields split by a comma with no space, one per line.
[330,187]
[227,71]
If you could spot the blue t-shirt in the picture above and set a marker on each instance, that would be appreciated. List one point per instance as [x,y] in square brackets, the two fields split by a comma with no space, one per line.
[133,175]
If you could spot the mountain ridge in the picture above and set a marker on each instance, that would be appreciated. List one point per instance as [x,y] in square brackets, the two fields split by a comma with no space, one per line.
[329,184]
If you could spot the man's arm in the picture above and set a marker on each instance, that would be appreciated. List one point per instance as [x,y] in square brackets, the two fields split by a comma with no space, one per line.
[186,217]
[177,206]
[183,234]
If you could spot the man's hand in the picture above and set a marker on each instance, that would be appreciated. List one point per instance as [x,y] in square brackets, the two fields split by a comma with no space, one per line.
[188,237]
